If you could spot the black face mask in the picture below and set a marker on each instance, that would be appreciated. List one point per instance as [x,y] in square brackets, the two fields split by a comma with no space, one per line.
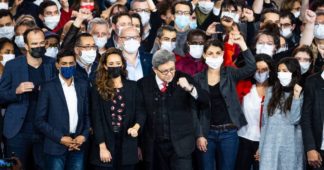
[114,72]
[37,52]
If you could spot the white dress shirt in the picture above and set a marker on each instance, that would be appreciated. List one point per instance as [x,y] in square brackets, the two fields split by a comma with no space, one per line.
[251,107]
[72,103]
[135,71]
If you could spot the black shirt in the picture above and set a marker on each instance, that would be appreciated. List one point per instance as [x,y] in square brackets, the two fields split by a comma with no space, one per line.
[37,77]
[219,113]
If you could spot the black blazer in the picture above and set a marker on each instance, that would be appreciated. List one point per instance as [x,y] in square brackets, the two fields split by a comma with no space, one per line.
[102,128]
[313,112]
[229,76]
[52,115]
[181,116]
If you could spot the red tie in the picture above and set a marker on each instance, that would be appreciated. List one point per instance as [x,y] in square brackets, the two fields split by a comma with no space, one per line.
[164,87]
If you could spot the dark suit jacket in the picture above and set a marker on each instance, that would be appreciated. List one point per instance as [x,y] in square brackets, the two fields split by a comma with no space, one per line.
[81,73]
[181,116]
[228,79]
[313,112]
[16,72]
[102,128]
[52,116]
[146,62]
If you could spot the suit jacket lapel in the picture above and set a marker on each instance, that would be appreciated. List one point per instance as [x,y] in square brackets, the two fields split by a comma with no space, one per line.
[24,70]
[60,92]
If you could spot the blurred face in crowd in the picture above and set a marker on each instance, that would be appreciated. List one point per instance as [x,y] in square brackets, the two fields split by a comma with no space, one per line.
[320,46]
[100,30]
[226,21]
[86,44]
[113,60]
[122,22]
[136,23]
[262,67]
[34,40]
[21,29]
[7,50]
[129,40]
[214,54]
[271,18]
[51,42]
[296,7]
[165,71]
[168,36]
[266,39]
[6,21]
[285,25]
[142,9]
[167,18]
[182,16]
[66,61]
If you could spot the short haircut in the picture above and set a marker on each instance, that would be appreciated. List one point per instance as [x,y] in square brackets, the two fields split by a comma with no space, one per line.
[64,53]
[4,41]
[266,11]
[316,4]
[5,13]
[136,15]
[79,37]
[24,19]
[213,42]
[34,30]
[182,3]
[161,57]
[165,28]
[196,32]
[229,3]
[98,21]
[285,14]
[44,5]
[28,23]
[119,15]
[133,1]
[270,29]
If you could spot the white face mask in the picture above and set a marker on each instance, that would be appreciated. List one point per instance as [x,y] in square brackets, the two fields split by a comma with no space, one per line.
[216,11]
[6,58]
[196,51]
[4,5]
[88,57]
[264,49]
[205,6]
[304,66]
[100,41]
[284,78]
[167,45]
[234,16]
[286,32]
[19,40]
[214,63]
[296,14]
[52,21]
[261,77]
[38,2]
[131,46]
[145,17]
[282,49]
[319,31]
[51,52]
[7,32]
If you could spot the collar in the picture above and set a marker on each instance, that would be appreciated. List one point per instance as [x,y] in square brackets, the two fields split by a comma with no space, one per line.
[63,83]
[146,31]
[137,60]
[159,81]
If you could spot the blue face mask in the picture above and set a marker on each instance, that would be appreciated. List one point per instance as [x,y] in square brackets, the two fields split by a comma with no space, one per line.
[193,24]
[68,72]
[182,21]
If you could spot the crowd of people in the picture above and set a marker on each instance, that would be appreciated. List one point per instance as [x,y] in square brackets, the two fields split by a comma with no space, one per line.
[162,84]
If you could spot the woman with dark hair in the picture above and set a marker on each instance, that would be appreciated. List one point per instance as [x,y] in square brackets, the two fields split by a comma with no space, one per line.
[220,120]
[6,52]
[113,115]
[305,57]
[252,104]
[281,144]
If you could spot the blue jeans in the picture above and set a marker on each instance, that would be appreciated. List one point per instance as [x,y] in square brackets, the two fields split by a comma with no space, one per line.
[28,147]
[223,142]
[70,160]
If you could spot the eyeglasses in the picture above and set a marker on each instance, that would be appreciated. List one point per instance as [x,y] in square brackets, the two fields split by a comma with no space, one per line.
[89,47]
[182,12]
[166,72]
[131,38]
[142,10]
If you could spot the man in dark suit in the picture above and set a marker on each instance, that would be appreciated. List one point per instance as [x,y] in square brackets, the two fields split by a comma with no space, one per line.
[138,63]
[62,116]
[312,120]
[168,97]
[19,87]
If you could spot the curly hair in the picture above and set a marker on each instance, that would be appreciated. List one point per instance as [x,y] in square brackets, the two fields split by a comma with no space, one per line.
[104,83]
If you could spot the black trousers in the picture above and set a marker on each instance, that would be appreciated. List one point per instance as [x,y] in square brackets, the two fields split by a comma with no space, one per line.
[245,156]
[165,158]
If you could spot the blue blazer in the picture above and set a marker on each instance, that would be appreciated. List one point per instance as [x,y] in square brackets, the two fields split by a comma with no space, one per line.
[146,62]
[16,72]
[52,115]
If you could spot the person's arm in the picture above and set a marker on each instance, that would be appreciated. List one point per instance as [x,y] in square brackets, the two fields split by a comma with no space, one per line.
[41,116]
[308,33]
[15,5]
[257,6]
[7,92]
[86,120]
[97,117]
[304,7]
[151,5]
[295,110]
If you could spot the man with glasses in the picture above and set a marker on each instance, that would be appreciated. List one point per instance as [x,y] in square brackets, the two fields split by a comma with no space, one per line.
[166,39]
[138,63]
[19,87]
[287,29]
[100,31]
[86,54]
[119,22]
[181,11]
[168,97]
